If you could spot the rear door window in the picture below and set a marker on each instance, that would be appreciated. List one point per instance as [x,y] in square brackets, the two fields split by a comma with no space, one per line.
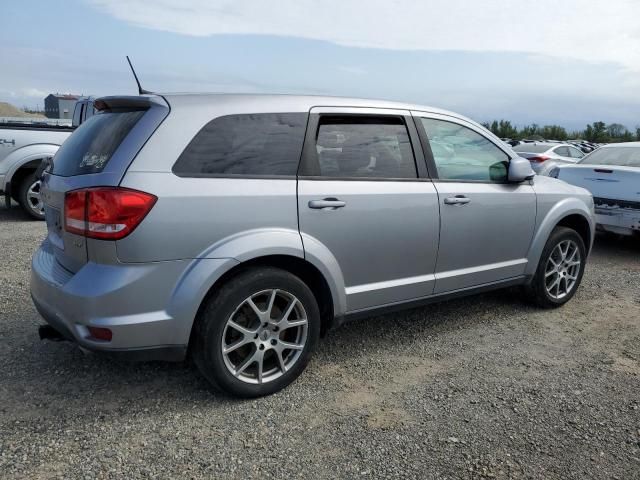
[265,144]
[91,146]
[361,147]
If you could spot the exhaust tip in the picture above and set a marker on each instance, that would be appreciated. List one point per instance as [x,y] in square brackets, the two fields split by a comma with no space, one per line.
[47,332]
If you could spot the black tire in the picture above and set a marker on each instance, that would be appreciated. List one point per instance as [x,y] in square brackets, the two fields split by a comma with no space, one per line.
[209,330]
[536,291]
[25,200]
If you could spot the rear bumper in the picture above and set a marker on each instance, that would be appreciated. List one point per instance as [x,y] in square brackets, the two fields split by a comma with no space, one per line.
[618,220]
[130,300]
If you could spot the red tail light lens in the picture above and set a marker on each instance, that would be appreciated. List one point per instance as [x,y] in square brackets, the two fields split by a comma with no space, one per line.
[100,333]
[107,213]
[539,159]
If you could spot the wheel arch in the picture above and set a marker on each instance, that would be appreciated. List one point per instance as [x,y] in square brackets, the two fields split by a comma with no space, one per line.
[301,268]
[279,248]
[25,160]
[572,213]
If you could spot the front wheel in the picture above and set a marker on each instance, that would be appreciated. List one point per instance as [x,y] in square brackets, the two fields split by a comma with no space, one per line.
[560,269]
[29,196]
[257,333]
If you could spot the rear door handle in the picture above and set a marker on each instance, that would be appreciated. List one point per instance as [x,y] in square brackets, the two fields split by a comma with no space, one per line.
[457,200]
[327,203]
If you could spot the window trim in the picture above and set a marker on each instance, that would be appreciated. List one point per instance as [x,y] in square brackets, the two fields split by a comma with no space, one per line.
[250,176]
[428,153]
[309,168]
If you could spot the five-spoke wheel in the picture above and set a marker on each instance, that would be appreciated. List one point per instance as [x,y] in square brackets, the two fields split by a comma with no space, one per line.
[257,333]
[30,198]
[563,267]
[559,270]
[265,336]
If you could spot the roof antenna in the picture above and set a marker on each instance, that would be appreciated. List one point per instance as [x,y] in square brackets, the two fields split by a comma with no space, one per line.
[141,91]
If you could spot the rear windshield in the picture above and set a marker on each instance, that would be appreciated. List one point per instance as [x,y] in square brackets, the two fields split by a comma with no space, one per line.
[531,148]
[620,156]
[91,146]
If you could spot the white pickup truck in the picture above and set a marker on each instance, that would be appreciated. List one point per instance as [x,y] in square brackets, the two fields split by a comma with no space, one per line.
[23,147]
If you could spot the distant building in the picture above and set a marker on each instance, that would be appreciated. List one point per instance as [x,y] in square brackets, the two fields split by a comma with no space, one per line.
[59,106]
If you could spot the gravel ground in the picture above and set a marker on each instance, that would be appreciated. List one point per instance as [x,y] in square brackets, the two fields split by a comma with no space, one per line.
[481,387]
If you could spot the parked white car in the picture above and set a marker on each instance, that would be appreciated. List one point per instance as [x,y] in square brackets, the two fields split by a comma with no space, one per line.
[612,175]
[544,156]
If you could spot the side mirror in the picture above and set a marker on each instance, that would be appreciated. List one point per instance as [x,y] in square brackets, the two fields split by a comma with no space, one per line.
[520,170]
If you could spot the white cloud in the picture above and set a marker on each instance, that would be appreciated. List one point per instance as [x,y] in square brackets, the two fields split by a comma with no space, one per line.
[33,92]
[591,30]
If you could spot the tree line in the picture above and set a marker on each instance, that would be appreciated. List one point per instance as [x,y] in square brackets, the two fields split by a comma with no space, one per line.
[598,132]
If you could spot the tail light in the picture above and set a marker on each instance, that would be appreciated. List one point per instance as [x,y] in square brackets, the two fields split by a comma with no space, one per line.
[539,158]
[106,213]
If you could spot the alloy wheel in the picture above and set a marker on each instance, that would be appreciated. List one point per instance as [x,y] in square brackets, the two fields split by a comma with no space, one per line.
[265,336]
[34,199]
[562,269]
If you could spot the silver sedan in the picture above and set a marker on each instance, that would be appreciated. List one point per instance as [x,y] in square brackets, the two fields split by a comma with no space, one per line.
[543,156]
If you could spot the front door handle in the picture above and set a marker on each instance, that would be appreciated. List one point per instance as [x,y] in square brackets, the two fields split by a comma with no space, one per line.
[457,200]
[327,203]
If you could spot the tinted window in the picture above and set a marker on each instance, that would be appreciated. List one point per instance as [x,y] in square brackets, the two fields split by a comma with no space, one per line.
[462,154]
[621,156]
[254,144]
[364,147]
[562,151]
[531,148]
[92,144]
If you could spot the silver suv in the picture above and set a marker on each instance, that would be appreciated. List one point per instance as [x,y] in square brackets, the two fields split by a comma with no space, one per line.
[241,228]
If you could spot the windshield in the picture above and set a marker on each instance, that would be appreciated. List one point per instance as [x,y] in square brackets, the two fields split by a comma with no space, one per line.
[620,156]
[531,148]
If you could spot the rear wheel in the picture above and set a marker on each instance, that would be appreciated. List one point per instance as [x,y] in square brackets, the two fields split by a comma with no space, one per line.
[560,269]
[29,196]
[257,333]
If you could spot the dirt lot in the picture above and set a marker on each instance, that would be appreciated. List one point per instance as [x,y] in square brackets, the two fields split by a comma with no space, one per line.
[480,387]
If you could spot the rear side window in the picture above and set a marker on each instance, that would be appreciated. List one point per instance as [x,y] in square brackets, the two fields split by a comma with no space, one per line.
[254,144]
[91,146]
[362,147]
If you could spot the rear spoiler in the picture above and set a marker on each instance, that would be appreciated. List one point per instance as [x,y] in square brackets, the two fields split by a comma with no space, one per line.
[136,102]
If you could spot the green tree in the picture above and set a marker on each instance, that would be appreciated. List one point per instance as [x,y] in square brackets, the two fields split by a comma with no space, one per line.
[554,132]
[597,132]
[616,130]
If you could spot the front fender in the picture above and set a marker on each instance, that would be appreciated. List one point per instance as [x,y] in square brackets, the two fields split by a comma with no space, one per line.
[20,157]
[560,210]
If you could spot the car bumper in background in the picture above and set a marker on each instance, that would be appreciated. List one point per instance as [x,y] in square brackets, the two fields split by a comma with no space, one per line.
[624,221]
[129,300]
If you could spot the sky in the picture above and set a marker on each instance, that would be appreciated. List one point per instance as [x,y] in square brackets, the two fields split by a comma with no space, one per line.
[567,62]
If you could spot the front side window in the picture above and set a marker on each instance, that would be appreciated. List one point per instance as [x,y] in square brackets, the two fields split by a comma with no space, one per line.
[463,154]
[362,147]
[261,144]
